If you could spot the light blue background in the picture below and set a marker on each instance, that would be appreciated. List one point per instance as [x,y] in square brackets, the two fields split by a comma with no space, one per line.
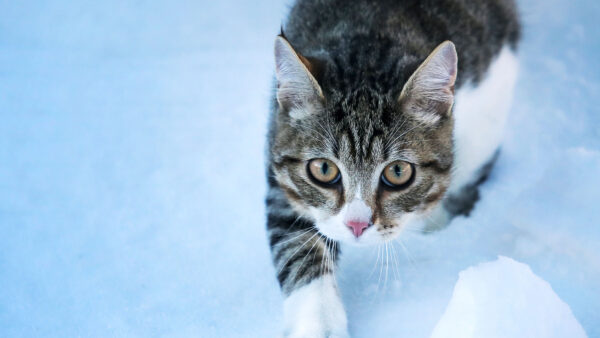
[131,174]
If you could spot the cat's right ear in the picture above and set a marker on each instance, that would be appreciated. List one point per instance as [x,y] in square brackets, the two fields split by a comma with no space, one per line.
[296,86]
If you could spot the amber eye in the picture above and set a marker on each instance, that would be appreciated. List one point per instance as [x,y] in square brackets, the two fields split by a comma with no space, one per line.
[397,174]
[323,171]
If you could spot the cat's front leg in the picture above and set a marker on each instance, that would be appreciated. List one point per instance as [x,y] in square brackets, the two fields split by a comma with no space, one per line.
[315,310]
[305,263]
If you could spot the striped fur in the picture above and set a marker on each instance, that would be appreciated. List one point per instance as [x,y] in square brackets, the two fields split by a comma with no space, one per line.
[300,253]
[359,85]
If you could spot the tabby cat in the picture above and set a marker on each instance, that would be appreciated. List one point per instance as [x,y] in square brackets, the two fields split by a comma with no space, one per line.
[386,114]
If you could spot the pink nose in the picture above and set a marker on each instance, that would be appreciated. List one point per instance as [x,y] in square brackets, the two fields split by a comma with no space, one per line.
[357,227]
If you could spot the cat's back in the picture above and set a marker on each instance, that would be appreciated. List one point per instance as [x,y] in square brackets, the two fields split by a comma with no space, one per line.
[393,37]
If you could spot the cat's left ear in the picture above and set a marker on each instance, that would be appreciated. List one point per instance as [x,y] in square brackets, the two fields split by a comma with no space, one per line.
[429,92]
[296,85]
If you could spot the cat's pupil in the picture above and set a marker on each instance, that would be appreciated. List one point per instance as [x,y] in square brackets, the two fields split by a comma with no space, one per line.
[397,170]
[325,168]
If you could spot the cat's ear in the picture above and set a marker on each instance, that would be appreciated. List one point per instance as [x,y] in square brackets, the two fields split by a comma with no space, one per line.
[296,86]
[429,92]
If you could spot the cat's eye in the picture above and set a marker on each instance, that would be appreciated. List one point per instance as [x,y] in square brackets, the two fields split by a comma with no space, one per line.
[323,171]
[398,174]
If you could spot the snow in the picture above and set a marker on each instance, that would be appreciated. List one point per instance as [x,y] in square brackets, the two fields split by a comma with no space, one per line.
[493,299]
[132,177]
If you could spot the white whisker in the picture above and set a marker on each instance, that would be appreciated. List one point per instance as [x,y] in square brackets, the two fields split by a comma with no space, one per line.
[295,251]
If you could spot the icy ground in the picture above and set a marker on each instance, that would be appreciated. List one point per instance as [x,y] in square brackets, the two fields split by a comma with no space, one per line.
[131,179]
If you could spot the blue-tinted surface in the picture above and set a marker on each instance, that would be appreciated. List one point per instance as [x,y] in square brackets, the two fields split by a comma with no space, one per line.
[131,175]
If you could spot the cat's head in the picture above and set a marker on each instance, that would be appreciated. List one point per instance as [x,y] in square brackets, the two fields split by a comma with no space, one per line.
[363,164]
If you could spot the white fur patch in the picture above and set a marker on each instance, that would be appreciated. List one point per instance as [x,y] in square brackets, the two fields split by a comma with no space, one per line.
[315,310]
[358,210]
[480,114]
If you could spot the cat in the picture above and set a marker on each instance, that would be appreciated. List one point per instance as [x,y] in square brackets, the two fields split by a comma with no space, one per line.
[386,114]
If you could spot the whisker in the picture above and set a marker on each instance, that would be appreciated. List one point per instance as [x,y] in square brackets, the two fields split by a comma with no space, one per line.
[304,232]
[387,262]
[323,257]
[380,270]
[310,250]
[407,253]
[333,262]
[396,271]
[404,133]
[376,261]
[393,132]
[295,251]
[294,222]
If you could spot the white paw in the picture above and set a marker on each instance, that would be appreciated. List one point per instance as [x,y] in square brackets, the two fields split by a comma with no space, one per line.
[315,310]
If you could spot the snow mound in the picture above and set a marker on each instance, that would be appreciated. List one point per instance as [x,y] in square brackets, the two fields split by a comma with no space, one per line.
[504,298]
